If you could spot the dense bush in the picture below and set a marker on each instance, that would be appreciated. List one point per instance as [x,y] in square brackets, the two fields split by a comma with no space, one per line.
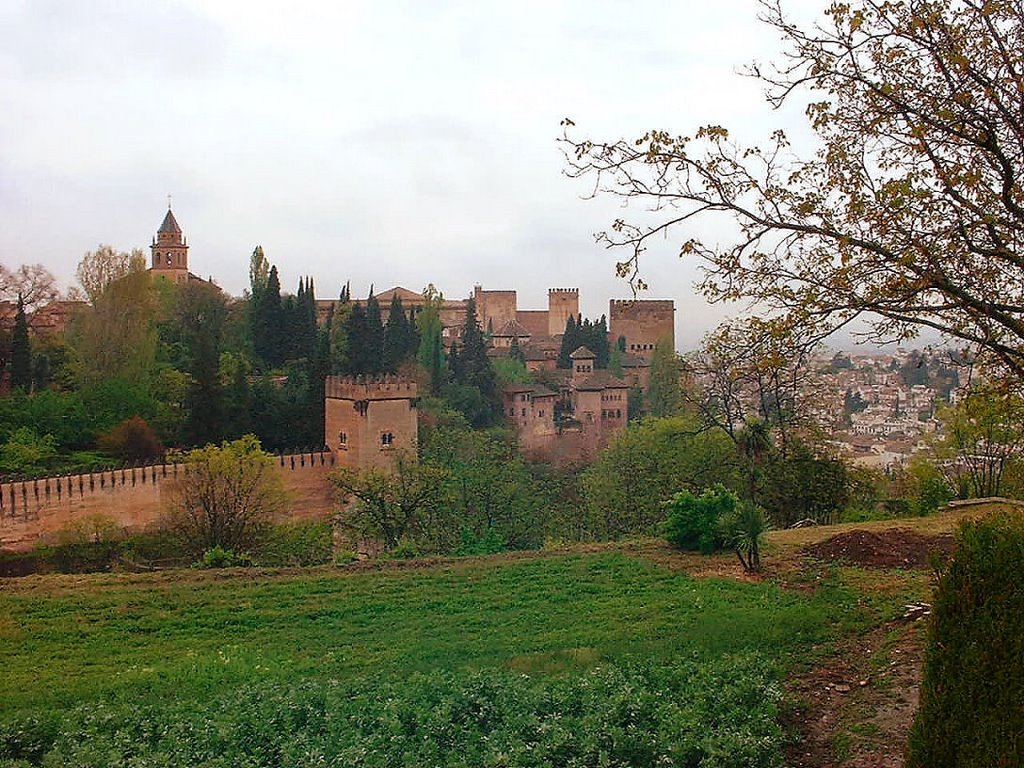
[693,521]
[705,715]
[970,714]
[218,557]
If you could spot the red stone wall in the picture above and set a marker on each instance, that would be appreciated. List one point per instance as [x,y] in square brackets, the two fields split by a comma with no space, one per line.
[134,497]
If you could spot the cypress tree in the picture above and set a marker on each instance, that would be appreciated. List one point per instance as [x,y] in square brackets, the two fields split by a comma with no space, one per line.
[600,346]
[357,349]
[21,350]
[374,336]
[396,336]
[267,326]
[569,344]
[474,366]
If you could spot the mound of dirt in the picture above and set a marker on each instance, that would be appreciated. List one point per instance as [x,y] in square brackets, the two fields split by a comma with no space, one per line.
[893,548]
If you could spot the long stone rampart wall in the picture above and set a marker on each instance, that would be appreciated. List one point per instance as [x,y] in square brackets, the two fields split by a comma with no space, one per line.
[133,497]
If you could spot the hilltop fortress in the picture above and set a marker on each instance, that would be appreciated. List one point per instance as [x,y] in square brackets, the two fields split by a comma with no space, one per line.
[642,322]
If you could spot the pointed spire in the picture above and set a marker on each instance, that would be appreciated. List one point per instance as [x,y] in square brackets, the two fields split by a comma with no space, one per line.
[170,224]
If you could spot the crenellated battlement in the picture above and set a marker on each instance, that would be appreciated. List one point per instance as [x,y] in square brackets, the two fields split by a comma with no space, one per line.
[571,291]
[134,495]
[643,303]
[387,387]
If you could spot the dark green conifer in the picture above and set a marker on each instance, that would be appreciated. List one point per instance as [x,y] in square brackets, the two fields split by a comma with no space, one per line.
[21,350]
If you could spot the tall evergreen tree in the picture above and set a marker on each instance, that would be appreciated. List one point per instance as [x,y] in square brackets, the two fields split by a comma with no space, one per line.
[374,335]
[474,367]
[570,342]
[396,336]
[515,351]
[357,350]
[601,347]
[267,322]
[21,350]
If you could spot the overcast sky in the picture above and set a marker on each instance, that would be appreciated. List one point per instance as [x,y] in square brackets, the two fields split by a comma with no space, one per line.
[397,143]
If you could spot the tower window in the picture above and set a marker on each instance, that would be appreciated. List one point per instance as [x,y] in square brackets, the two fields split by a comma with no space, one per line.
[343,440]
[386,439]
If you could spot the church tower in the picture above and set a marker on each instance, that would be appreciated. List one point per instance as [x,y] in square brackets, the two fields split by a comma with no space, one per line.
[170,251]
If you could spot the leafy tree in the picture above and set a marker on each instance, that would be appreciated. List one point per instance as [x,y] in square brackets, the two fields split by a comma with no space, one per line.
[116,337]
[198,322]
[225,496]
[984,435]
[907,214]
[489,492]
[132,440]
[624,488]
[570,344]
[801,485]
[26,452]
[664,393]
[21,350]
[33,282]
[365,343]
[390,506]
[755,370]
[99,268]
[430,354]
[259,274]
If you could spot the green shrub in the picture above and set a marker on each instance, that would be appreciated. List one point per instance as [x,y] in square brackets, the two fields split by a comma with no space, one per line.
[490,543]
[157,546]
[217,557]
[742,529]
[296,543]
[970,714]
[692,522]
[344,557]
[713,715]
[406,550]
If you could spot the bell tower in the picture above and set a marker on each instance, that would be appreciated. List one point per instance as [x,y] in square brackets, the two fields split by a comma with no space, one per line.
[170,251]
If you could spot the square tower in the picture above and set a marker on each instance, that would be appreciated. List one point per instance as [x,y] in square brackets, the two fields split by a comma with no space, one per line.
[366,420]
[562,303]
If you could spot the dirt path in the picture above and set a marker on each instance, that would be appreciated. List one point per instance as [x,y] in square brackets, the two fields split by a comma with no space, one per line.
[855,709]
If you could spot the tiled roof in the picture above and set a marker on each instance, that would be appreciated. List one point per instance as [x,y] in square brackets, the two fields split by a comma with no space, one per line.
[513,329]
[170,224]
[601,379]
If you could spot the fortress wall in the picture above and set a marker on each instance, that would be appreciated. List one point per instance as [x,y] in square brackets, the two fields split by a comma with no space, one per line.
[134,497]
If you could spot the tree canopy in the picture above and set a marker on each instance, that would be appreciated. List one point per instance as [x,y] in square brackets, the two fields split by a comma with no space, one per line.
[909,214]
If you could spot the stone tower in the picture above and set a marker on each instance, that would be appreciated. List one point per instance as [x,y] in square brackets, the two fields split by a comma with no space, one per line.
[562,302]
[170,251]
[643,323]
[366,420]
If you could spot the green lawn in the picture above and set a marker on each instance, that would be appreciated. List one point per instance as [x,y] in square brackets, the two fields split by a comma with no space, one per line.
[195,644]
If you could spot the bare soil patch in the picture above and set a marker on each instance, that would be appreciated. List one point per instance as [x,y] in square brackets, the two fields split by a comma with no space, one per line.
[893,548]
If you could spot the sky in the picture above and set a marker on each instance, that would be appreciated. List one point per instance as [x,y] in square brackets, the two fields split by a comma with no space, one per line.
[385,143]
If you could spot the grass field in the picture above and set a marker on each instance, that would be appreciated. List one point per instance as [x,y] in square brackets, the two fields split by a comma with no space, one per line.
[89,661]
